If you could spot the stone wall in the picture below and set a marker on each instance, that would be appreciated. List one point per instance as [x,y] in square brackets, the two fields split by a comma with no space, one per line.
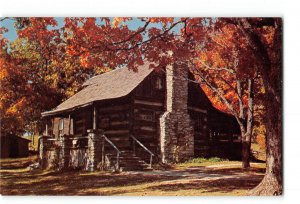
[69,152]
[65,145]
[44,147]
[94,151]
[176,130]
[64,153]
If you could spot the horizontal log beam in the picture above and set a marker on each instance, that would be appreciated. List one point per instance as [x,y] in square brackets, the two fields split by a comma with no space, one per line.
[138,132]
[149,103]
[145,137]
[125,122]
[141,108]
[79,128]
[145,123]
[116,132]
[148,128]
[113,108]
[79,121]
[200,140]
[197,110]
[125,138]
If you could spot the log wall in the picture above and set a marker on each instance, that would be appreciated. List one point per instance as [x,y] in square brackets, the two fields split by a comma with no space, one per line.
[82,122]
[68,126]
[148,106]
[115,119]
[198,105]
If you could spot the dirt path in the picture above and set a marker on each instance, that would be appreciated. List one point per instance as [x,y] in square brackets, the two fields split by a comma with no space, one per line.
[211,172]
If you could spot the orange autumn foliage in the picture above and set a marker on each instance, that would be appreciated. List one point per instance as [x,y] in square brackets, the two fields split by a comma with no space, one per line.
[82,47]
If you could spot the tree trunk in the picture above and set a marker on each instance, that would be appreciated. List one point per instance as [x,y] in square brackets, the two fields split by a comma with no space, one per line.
[246,146]
[247,141]
[272,181]
[246,136]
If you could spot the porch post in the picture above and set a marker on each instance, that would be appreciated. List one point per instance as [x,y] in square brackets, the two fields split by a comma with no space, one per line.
[65,151]
[69,124]
[94,150]
[43,145]
[46,128]
[95,119]
[58,136]
[52,125]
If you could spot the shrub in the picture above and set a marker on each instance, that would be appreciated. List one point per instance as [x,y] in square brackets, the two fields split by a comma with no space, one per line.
[203,160]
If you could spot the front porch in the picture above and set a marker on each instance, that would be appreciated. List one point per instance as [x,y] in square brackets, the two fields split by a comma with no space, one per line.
[95,151]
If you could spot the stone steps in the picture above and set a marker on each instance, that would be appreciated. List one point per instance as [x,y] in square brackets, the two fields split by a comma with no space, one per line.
[129,162]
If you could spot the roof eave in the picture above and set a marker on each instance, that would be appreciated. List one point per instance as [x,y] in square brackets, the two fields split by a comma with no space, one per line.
[57,112]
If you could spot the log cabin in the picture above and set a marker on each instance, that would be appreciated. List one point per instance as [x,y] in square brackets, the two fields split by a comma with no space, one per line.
[146,113]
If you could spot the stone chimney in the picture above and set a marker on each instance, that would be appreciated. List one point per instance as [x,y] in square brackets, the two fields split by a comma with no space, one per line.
[176,130]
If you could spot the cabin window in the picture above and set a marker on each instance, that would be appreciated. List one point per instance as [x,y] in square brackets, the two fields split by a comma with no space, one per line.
[61,126]
[158,83]
[147,116]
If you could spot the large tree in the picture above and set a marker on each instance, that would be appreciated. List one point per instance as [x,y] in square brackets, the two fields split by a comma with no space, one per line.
[25,90]
[37,73]
[265,37]
[223,53]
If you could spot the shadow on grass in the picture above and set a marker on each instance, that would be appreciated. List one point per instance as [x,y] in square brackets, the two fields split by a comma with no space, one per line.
[223,185]
[17,163]
[237,170]
[16,180]
[68,183]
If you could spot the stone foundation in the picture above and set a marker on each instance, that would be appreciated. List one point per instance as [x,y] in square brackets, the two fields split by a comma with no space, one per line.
[71,152]
[94,151]
[44,145]
[177,137]
[65,152]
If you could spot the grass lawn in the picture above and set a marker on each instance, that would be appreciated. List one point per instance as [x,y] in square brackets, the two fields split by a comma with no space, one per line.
[194,178]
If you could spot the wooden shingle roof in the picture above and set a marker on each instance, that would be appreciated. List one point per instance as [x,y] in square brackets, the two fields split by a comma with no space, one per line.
[114,84]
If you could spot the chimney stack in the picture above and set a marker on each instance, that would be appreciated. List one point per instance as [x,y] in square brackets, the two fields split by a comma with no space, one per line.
[176,130]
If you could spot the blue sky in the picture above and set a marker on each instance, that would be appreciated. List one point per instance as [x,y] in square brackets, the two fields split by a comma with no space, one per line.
[11,35]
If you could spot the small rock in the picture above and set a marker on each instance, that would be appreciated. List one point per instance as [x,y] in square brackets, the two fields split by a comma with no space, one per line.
[34,166]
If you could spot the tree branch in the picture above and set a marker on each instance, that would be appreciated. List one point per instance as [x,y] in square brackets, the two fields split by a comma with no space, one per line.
[260,52]
[221,96]
[239,91]
[151,39]
[132,36]
[217,68]
[250,107]
[5,18]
